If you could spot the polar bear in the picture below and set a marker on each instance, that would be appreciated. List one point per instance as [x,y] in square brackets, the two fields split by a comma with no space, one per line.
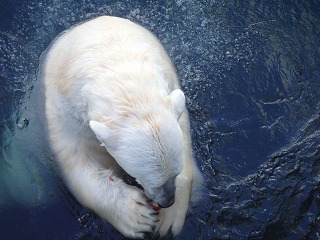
[114,109]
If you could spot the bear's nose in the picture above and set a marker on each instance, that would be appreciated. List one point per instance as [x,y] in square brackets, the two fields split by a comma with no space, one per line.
[168,203]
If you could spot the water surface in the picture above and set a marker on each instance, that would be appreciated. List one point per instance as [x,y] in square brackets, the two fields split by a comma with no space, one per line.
[250,71]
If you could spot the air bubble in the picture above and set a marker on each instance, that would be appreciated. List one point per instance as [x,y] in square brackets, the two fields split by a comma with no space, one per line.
[22,123]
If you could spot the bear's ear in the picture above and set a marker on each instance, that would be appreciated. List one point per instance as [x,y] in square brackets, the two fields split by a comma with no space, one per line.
[178,102]
[103,133]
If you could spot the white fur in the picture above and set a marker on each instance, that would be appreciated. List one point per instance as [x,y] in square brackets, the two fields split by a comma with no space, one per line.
[113,102]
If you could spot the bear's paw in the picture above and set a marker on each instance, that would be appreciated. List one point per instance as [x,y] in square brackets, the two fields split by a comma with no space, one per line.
[135,216]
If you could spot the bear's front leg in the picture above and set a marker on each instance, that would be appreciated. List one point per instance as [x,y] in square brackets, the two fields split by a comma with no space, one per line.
[124,206]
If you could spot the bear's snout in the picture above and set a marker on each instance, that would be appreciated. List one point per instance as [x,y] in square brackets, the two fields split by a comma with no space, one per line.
[168,191]
[168,202]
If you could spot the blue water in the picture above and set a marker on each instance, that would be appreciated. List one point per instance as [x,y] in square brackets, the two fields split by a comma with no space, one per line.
[251,74]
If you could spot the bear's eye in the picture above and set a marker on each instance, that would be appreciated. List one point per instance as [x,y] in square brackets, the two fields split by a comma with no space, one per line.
[128,179]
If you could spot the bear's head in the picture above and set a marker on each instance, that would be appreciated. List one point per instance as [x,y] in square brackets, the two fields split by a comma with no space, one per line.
[149,145]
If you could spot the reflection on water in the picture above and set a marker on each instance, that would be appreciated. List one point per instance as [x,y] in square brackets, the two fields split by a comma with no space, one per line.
[250,70]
